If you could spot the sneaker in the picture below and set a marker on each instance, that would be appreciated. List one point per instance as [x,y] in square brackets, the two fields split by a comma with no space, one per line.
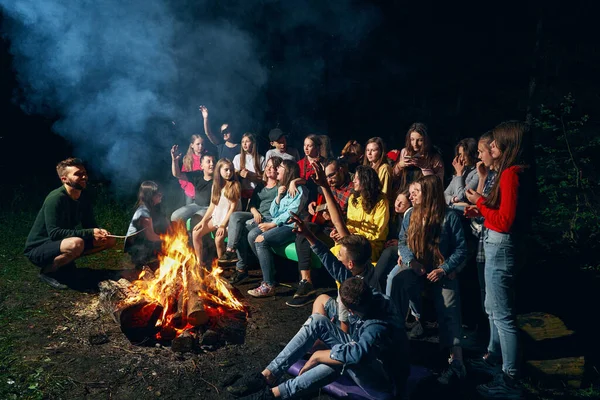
[263,394]
[248,384]
[502,387]
[228,258]
[484,365]
[417,331]
[50,281]
[301,301]
[305,288]
[238,277]
[264,290]
[453,374]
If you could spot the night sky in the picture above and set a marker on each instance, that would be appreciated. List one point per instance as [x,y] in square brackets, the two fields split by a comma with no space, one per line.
[352,69]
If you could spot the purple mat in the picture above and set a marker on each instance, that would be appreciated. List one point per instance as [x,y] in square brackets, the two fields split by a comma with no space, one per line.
[344,387]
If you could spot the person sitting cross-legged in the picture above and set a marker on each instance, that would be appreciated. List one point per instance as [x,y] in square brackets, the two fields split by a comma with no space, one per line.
[372,356]
[65,229]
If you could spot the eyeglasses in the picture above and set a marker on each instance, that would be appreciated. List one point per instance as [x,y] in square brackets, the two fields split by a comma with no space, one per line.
[331,175]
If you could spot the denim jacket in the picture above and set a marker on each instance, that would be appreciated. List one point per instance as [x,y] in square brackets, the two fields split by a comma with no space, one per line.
[452,241]
[281,212]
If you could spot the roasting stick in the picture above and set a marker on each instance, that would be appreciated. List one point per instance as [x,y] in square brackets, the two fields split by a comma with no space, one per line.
[126,236]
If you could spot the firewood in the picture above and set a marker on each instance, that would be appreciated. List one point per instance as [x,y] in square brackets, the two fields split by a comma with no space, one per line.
[196,314]
[185,342]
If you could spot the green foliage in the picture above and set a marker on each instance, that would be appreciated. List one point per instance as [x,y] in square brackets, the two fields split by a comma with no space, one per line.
[568,222]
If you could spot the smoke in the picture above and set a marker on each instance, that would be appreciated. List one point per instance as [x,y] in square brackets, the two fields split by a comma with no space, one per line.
[124,79]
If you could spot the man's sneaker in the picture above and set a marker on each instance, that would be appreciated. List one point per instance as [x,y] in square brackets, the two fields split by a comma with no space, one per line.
[248,384]
[50,281]
[484,365]
[417,331]
[263,394]
[264,290]
[228,258]
[238,277]
[301,301]
[305,288]
[502,387]
[455,373]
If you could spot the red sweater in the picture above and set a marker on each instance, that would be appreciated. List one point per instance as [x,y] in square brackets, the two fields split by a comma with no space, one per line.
[501,219]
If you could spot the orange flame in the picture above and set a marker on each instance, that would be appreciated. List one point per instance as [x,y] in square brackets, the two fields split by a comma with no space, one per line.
[179,275]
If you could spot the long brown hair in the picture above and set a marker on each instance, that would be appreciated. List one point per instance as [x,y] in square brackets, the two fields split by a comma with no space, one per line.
[378,163]
[253,152]
[427,153]
[276,161]
[316,142]
[513,140]
[188,159]
[370,193]
[292,171]
[232,189]
[425,226]
[469,146]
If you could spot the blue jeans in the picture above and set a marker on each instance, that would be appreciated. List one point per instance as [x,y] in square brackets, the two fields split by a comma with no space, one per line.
[320,327]
[237,223]
[404,284]
[415,302]
[500,271]
[186,212]
[242,249]
[272,238]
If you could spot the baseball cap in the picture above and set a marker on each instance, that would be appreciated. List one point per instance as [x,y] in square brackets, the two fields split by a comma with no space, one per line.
[275,134]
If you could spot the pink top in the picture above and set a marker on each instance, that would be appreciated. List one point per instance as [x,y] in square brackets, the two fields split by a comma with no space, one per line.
[188,187]
[436,167]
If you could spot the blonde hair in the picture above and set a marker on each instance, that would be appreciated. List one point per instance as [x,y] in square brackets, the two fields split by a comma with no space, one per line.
[253,152]
[232,190]
[188,159]
[381,160]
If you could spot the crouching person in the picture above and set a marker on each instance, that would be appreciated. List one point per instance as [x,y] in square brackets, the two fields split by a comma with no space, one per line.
[65,228]
[373,356]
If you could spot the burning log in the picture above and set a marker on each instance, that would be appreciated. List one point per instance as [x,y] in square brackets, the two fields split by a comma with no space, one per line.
[136,315]
[196,313]
[185,342]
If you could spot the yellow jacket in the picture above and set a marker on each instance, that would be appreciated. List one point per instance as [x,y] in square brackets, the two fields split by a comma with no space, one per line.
[385,176]
[373,225]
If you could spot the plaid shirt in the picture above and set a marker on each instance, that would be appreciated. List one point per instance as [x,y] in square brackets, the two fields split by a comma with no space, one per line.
[342,195]
[487,187]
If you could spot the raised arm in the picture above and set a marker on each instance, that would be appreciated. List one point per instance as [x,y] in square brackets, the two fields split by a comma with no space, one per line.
[209,134]
[175,168]
[332,206]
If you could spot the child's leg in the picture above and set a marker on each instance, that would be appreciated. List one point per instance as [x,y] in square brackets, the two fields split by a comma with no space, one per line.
[220,244]
[197,238]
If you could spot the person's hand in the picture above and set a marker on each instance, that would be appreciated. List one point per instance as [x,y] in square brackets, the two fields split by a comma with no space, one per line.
[175,154]
[204,111]
[334,234]
[319,176]
[244,173]
[482,171]
[391,242]
[281,191]
[398,167]
[299,225]
[311,207]
[459,165]
[417,267]
[220,232]
[436,275]
[257,216]
[100,234]
[326,216]
[472,196]
[399,260]
[265,226]
[313,361]
[419,162]
[199,226]
[472,212]
[293,189]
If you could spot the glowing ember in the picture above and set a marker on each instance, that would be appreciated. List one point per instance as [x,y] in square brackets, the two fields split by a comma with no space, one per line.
[189,294]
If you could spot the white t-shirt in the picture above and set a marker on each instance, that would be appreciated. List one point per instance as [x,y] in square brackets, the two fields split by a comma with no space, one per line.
[246,183]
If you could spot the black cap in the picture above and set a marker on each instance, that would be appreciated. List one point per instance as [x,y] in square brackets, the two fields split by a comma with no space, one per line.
[275,134]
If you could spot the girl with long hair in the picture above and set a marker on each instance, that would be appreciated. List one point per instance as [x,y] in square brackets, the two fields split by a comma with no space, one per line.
[465,174]
[242,224]
[417,158]
[376,159]
[368,212]
[149,222]
[191,162]
[225,199]
[312,152]
[248,165]
[432,247]
[278,231]
[507,216]
[352,154]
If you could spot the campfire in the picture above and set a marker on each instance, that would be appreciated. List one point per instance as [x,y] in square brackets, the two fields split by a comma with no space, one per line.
[180,303]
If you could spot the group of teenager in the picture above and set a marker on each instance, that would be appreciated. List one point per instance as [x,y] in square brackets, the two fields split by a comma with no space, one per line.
[244,204]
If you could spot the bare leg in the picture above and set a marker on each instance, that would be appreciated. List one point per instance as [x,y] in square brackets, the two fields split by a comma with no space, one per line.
[197,238]
[305,274]
[70,249]
[319,305]
[220,244]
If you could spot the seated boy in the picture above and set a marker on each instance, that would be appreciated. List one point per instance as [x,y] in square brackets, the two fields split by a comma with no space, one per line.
[374,356]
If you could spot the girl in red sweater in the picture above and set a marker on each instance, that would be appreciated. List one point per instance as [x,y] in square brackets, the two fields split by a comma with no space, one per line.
[506,220]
